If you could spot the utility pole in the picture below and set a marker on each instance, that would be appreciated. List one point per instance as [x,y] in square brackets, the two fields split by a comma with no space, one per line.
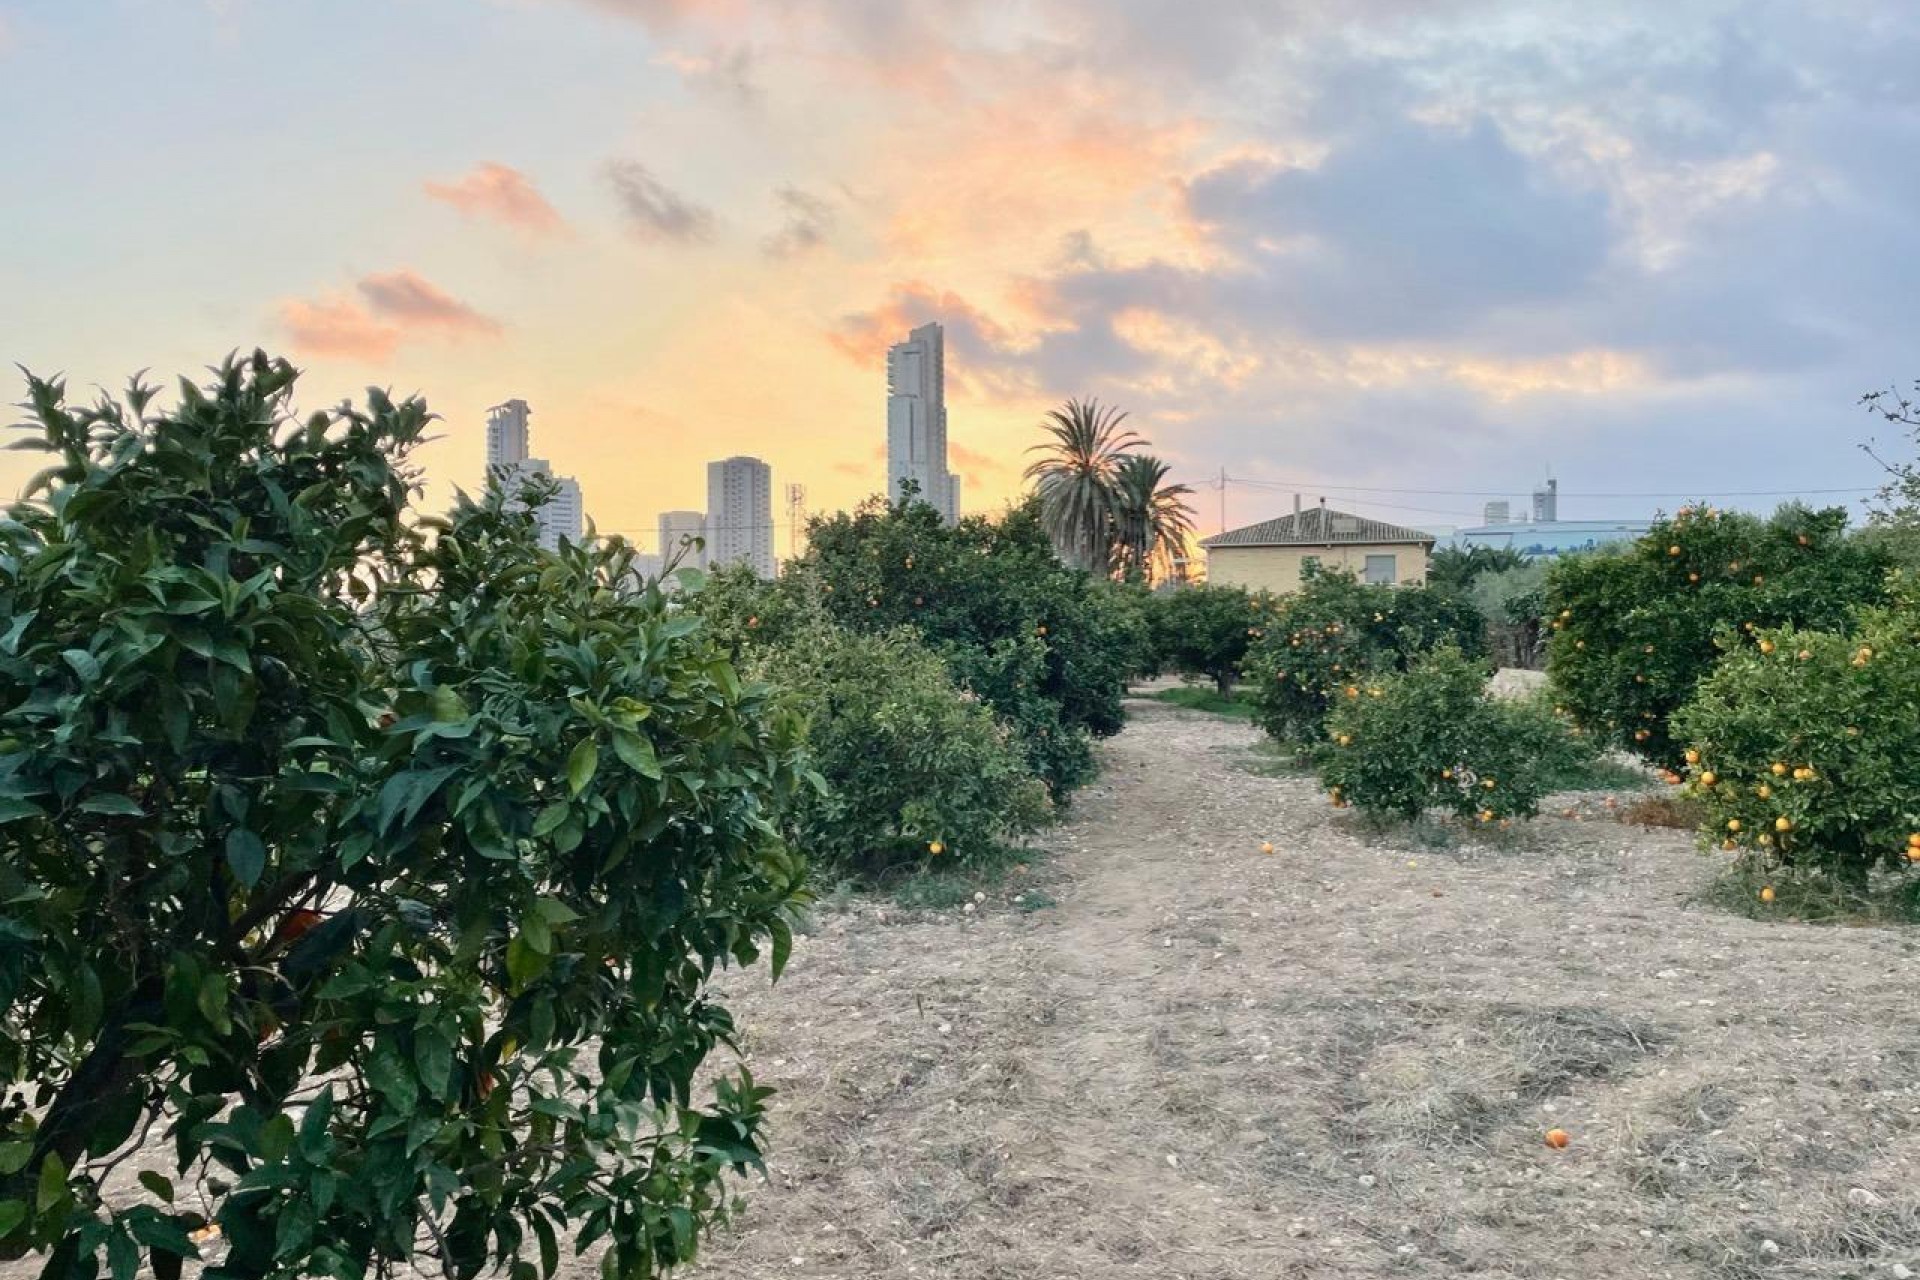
[1221,485]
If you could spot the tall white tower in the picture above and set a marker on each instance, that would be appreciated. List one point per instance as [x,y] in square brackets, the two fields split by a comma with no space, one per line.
[917,421]
[509,443]
[740,513]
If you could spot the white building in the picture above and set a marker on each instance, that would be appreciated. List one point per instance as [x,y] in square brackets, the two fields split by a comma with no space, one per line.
[917,421]
[740,513]
[509,443]
[679,530]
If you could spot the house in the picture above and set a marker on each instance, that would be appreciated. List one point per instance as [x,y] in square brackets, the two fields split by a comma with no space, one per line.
[1271,555]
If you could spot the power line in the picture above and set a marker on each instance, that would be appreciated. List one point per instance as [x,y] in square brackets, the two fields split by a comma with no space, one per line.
[1306,485]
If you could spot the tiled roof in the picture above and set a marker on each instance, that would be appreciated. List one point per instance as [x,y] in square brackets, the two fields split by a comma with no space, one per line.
[1316,527]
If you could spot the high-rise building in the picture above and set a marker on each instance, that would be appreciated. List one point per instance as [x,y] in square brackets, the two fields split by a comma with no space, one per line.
[679,529]
[509,443]
[917,421]
[1546,503]
[740,513]
[1498,512]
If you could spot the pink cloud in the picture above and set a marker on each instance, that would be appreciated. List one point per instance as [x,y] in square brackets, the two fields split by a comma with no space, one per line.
[503,194]
[336,326]
[412,300]
[393,306]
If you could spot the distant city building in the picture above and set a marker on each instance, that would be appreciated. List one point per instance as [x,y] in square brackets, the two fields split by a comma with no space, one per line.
[1546,503]
[509,444]
[677,529]
[1497,512]
[740,514]
[1544,539]
[917,421]
[648,566]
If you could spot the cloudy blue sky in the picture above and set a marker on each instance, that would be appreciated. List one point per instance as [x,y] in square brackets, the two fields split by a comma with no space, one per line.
[1405,253]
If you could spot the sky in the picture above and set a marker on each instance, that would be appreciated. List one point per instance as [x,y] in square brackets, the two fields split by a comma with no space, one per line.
[1407,255]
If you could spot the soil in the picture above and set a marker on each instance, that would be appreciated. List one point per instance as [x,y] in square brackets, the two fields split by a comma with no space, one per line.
[1163,1053]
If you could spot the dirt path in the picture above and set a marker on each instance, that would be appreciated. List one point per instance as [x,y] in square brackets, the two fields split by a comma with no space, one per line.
[1338,1060]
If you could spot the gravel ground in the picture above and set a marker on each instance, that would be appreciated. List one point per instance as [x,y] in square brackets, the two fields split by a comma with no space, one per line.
[1335,1061]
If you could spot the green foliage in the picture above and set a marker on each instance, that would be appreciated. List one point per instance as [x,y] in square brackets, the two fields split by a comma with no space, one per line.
[1821,734]
[1459,568]
[1635,631]
[1513,602]
[1432,738]
[1335,637]
[383,870]
[1205,630]
[915,769]
[1048,648]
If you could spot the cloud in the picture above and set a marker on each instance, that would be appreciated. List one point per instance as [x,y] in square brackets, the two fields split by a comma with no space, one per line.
[808,220]
[726,72]
[391,307]
[336,326]
[653,212]
[415,302]
[503,194]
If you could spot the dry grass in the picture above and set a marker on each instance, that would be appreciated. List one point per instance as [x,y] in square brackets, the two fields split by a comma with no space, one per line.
[1335,1061]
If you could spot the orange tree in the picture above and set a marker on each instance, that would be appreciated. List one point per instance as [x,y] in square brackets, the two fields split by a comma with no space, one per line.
[1635,631]
[361,883]
[1205,630]
[1049,648]
[1333,637]
[1802,748]
[915,768]
[1431,737]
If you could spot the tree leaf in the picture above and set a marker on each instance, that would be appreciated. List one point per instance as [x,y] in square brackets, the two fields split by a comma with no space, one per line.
[582,765]
[636,752]
[53,1183]
[12,1214]
[157,1183]
[112,805]
[246,855]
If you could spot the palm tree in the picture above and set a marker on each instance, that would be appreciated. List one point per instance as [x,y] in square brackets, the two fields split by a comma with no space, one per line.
[1076,480]
[1151,520]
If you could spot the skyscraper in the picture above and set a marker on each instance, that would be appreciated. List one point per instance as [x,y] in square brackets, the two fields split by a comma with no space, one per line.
[740,513]
[917,421]
[509,441]
[676,527]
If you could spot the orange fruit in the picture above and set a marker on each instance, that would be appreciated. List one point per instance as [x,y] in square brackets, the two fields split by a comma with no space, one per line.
[1766,894]
[1779,770]
[1487,783]
[1266,846]
[934,846]
[1913,840]
[1693,757]
[1764,791]
[1766,646]
[1733,824]
[1558,1138]
[1708,778]
[1913,853]
[1674,550]
[1783,824]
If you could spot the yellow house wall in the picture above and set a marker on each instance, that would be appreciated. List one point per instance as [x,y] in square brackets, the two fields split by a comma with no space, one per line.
[1277,569]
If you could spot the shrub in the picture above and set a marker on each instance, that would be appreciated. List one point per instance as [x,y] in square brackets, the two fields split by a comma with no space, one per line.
[914,767]
[1336,635]
[1205,630]
[384,872]
[1805,754]
[1048,648]
[1635,631]
[1433,738]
